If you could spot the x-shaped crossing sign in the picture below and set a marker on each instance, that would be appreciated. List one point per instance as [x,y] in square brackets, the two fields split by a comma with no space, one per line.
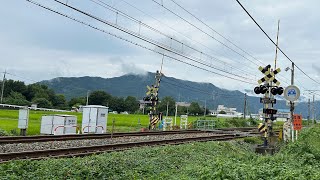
[152,90]
[269,75]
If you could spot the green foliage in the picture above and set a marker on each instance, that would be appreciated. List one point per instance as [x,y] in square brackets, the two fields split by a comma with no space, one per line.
[236,122]
[253,140]
[307,144]
[16,98]
[99,98]
[11,85]
[4,133]
[131,104]
[59,101]
[209,160]
[162,107]
[42,103]
[195,109]
[77,102]
[117,104]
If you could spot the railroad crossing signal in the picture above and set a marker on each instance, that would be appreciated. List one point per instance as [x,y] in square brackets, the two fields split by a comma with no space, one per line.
[269,75]
[152,96]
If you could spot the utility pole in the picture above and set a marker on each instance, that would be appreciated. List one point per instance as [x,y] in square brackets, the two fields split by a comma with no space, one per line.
[2,87]
[175,115]
[87,97]
[245,106]
[308,111]
[167,109]
[313,110]
[292,103]
[205,108]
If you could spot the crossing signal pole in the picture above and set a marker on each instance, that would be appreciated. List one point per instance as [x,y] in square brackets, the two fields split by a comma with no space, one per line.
[152,96]
[268,89]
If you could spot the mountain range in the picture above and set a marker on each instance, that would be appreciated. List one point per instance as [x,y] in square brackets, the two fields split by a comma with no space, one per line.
[180,90]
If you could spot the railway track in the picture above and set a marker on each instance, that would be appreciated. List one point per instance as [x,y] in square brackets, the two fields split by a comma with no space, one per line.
[88,150]
[46,138]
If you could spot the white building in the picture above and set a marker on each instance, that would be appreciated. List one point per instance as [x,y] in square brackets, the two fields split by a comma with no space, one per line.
[228,111]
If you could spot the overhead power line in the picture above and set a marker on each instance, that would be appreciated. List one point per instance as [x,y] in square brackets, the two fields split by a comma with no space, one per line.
[129,41]
[148,40]
[215,31]
[185,86]
[275,43]
[201,53]
[201,30]
[205,24]
[200,91]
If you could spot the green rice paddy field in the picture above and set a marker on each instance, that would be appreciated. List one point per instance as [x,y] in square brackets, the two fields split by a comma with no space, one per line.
[123,122]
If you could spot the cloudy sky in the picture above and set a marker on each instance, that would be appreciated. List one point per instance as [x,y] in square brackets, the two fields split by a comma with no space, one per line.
[36,44]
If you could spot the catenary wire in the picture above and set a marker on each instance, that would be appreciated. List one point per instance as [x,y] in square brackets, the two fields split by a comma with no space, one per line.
[275,43]
[148,40]
[109,7]
[131,42]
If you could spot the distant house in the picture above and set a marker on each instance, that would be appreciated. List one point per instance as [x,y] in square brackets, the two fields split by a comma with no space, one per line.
[143,104]
[228,112]
[213,112]
[183,104]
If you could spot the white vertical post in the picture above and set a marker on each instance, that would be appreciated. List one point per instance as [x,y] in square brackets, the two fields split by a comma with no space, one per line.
[175,116]
[2,88]
[87,97]
[167,109]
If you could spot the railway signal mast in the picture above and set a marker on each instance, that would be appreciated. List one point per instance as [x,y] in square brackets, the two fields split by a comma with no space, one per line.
[269,87]
[152,96]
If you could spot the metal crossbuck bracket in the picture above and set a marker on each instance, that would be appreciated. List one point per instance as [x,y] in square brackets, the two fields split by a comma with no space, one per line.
[269,75]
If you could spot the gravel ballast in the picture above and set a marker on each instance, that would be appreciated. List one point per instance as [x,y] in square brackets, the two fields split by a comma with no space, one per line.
[21,147]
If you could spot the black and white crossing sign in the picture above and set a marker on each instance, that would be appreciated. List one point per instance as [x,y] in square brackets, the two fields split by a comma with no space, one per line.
[269,75]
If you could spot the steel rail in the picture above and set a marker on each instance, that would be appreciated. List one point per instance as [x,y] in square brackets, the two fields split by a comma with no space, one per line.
[45,138]
[88,150]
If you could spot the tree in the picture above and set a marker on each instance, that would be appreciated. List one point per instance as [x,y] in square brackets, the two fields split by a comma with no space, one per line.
[131,104]
[182,110]
[60,101]
[162,107]
[42,103]
[16,98]
[38,91]
[195,109]
[117,104]
[99,98]
[77,101]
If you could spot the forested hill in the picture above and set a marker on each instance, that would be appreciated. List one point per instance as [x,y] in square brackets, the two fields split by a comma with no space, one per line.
[181,90]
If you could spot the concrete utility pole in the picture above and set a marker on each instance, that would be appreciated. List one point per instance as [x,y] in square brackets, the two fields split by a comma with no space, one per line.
[292,103]
[167,109]
[308,111]
[205,108]
[313,110]
[245,106]
[87,97]
[175,115]
[2,87]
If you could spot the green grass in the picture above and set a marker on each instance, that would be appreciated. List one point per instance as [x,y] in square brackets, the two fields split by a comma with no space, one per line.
[123,122]
[210,160]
